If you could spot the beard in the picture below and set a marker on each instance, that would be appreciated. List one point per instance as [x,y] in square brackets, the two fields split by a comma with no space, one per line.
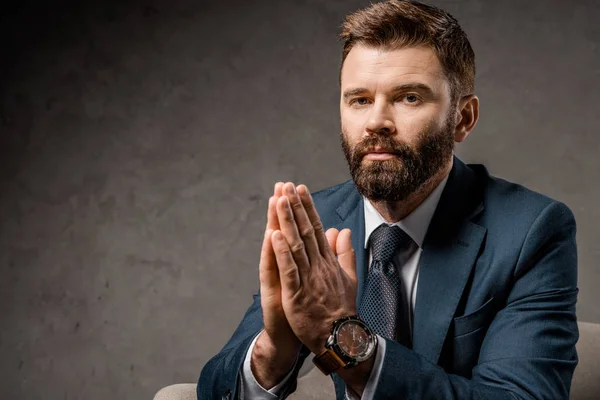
[398,178]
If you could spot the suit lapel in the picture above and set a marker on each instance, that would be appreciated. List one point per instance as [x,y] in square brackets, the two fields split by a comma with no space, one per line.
[449,253]
[443,273]
[352,214]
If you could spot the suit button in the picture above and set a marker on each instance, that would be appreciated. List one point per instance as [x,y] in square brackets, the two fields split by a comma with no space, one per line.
[227,395]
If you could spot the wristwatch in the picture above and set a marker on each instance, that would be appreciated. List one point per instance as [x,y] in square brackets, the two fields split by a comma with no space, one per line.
[351,341]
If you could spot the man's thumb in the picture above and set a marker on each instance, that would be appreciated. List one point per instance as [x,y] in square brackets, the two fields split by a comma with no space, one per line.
[345,253]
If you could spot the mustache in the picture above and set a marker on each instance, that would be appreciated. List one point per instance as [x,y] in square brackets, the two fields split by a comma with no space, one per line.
[368,145]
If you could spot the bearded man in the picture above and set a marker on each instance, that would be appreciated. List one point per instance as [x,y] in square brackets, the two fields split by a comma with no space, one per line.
[421,277]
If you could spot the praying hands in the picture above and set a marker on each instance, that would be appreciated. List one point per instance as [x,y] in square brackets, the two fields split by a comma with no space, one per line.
[307,281]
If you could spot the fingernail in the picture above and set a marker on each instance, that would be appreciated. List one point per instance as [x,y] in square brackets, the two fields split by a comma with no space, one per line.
[277,235]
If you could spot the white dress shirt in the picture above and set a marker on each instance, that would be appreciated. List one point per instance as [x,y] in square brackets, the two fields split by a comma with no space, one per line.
[407,262]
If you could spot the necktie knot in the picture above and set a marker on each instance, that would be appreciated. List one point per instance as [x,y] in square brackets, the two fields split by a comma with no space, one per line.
[386,241]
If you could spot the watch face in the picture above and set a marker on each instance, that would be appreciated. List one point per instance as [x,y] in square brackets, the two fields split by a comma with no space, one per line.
[353,339]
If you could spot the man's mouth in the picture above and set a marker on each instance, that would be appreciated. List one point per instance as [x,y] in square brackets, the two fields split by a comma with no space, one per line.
[379,154]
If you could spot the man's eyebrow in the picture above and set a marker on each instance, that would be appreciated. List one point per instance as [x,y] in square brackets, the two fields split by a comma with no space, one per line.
[414,86]
[354,92]
[400,88]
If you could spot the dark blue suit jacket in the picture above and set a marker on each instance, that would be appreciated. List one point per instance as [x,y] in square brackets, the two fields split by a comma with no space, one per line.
[495,311]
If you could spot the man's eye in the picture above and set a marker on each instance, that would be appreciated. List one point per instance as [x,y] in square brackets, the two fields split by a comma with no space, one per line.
[361,101]
[411,98]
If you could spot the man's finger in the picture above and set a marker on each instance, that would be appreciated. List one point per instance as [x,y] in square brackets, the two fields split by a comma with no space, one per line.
[303,224]
[268,272]
[313,216]
[288,270]
[332,235]
[345,253]
[277,190]
[272,220]
[267,267]
[290,232]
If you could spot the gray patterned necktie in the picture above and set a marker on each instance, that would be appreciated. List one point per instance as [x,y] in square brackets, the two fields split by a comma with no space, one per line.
[384,304]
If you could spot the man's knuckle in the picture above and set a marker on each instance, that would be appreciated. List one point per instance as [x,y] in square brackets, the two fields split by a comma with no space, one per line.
[297,247]
[289,273]
[288,217]
[318,226]
[284,251]
[309,206]
[307,231]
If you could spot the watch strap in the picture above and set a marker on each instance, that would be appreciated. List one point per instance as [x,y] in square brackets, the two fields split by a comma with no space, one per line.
[328,362]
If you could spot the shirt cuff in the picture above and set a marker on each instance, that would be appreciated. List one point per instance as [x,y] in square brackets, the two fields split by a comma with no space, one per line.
[251,389]
[369,392]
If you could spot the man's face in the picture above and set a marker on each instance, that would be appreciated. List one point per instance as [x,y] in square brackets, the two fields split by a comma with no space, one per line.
[397,120]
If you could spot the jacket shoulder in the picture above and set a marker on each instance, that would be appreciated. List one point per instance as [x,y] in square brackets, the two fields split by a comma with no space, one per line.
[333,196]
[511,204]
[328,201]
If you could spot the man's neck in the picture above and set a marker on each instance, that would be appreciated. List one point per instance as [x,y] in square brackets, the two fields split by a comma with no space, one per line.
[394,211]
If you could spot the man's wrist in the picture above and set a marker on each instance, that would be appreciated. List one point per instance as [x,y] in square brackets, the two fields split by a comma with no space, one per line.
[356,377]
[342,356]
[271,362]
[350,342]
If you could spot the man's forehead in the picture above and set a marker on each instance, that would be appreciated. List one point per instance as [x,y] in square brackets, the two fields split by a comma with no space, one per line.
[366,64]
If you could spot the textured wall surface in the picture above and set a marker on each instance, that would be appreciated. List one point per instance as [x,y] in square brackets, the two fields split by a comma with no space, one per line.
[140,142]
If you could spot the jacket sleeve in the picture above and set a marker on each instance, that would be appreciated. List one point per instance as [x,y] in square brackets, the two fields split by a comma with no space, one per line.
[221,376]
[529,349]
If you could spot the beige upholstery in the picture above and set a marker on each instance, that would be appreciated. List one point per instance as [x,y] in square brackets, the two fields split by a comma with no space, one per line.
[586,381]
[181,391]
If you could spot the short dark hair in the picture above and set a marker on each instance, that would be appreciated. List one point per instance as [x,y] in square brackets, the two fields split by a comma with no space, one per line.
[402,23]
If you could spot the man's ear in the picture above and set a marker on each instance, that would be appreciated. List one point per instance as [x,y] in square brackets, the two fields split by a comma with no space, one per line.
[467,115]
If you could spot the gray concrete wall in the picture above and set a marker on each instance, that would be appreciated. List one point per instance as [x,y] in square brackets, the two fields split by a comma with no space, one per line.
[140,142]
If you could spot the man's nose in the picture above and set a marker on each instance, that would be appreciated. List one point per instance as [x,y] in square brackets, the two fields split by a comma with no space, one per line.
[380,120]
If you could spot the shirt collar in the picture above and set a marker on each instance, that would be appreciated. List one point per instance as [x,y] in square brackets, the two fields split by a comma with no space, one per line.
[415,224]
